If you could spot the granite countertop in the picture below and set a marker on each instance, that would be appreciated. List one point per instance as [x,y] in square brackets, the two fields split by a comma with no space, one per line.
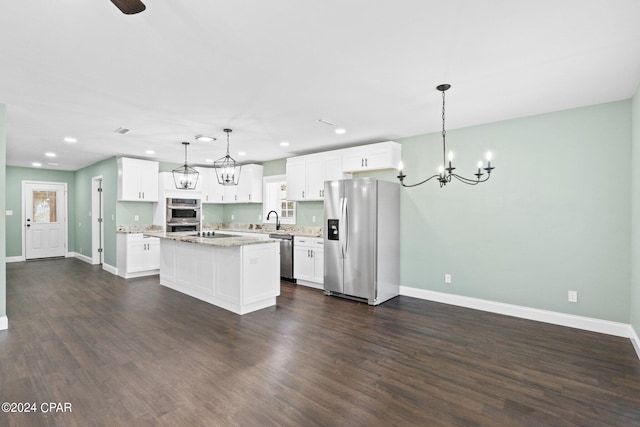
[130,229]
[266,229]
[219,242]
[294,230]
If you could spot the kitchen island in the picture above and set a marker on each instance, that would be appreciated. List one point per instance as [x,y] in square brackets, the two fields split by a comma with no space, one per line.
[239,274]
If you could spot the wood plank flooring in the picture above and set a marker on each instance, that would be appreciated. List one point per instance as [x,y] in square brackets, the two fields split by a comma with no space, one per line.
[131,352]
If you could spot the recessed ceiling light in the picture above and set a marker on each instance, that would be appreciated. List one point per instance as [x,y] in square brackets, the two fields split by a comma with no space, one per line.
[241,153]
[50,154]
[150,152]
[122,131]
[70,140]
[53,164]
[208,160]
[284,144]
[205,138]
[340,131]
[36,164]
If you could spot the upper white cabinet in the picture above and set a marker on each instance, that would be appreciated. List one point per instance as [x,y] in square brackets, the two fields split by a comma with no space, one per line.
[212,191]
[306,175]
[249,188]
[137,180]
[168,187]
[384,155]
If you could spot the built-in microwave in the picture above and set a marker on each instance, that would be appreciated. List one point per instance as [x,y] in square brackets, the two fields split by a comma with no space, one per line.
[183,214]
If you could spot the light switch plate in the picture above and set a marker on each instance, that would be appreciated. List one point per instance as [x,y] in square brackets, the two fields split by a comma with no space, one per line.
[8,213]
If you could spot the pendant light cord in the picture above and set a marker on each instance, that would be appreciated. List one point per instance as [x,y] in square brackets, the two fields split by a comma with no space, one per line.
[444,135]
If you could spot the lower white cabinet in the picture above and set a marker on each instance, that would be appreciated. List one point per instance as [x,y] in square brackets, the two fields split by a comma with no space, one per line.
[137,255]
[308,261]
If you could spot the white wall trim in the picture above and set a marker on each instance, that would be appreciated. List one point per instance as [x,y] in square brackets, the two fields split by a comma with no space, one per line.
[4,323]
[18,258]
[84,258]
[109,268]
[635,340]
[553,317]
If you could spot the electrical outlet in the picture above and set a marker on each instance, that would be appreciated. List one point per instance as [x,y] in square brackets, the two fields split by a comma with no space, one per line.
[136,218]
[113,217]
[232,217]
[447,278]
[573,296]
[259,217]
[313,219]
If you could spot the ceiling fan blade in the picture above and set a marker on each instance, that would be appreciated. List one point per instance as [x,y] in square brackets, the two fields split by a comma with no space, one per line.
[129,7]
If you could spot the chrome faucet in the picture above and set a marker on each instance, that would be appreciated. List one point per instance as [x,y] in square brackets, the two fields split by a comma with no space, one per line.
[277,219]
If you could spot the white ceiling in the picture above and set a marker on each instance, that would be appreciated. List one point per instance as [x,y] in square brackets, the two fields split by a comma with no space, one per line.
[270,69]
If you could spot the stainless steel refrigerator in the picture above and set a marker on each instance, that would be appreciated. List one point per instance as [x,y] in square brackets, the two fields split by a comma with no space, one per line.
[362,239]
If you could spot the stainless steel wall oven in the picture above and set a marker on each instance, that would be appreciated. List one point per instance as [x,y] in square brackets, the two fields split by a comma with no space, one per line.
[183,215]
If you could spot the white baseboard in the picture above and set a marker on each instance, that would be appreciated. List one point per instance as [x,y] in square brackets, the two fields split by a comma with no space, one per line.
[82,257]
[635,340]
[19,258]
[553,317]
[4,323]
[109,268]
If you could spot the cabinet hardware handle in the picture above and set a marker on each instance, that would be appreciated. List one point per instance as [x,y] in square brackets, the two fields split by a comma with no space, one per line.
[366,162]
[236,197]
[303,194]
[249,196]
[361,162]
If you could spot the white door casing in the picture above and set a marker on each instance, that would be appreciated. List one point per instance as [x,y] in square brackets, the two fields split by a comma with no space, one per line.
[44,219]
[97,221]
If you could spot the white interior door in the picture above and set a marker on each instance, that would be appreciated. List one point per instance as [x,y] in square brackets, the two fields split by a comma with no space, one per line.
[45,220]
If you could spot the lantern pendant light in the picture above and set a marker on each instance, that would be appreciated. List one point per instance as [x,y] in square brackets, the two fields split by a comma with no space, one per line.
[227,169]
[185,177]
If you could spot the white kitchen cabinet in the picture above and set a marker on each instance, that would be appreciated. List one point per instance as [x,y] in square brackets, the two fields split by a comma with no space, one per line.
[137,180]
[249,188]
[306,175]
[383,155]
[212,191]
[308,261]
[138,255]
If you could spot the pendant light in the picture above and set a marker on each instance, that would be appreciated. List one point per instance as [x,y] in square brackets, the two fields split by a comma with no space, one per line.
[185,177]
[445,173]
[227,169]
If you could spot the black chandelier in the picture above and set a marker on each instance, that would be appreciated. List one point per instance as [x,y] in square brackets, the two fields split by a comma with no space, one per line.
[227,169]
[445,177]
[185,177]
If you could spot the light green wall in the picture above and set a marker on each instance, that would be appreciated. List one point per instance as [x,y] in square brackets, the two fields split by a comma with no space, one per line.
[242,213]
[15,176]
[274,167]
[127,211]
[108,169]
[212,213]
[635,212]
[3,237]
[554,217]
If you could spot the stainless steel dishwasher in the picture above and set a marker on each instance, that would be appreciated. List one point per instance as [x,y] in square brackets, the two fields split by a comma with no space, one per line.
[286,255]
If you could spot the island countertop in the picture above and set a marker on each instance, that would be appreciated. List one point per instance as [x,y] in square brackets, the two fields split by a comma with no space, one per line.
[230,241]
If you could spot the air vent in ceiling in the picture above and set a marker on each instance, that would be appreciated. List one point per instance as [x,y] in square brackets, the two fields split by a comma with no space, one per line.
[122,131]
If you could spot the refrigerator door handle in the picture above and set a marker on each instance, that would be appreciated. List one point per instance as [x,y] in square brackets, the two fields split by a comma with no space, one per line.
[345,218]
[341,226]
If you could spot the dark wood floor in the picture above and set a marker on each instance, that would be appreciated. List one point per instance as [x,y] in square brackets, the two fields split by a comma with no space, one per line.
[135,353]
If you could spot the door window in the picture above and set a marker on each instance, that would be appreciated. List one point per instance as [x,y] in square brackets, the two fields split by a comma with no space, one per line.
[44,206]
